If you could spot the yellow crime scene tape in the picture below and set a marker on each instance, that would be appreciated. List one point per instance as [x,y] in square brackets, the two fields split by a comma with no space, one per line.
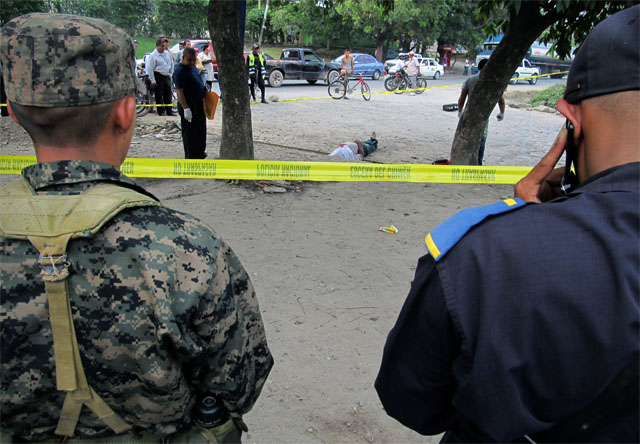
[315,171]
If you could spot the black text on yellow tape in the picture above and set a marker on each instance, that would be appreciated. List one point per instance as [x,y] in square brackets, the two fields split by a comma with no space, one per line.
[317,171]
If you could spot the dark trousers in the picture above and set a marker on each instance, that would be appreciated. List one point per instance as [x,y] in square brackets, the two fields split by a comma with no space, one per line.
[163,93]
[3,99]
[194,133]
[260,81]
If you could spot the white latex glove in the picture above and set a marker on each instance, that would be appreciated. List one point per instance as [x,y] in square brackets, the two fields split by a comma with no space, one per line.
[500,116]
[459,114]
[188,115]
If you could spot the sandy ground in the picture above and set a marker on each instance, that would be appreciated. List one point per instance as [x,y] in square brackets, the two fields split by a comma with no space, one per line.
[329,283]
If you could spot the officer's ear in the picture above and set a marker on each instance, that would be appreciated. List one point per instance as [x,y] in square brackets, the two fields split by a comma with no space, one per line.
[573,114]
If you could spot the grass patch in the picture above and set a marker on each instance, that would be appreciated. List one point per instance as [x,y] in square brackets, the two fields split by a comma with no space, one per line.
[148,44]
[533,98]
[548,96]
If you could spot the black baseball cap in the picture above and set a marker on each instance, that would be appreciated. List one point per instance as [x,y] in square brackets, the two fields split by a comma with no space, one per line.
[609,59]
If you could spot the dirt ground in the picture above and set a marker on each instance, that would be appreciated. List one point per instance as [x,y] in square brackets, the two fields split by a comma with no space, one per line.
[329,283]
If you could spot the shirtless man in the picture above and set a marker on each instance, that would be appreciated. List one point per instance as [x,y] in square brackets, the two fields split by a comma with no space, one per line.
[345,71]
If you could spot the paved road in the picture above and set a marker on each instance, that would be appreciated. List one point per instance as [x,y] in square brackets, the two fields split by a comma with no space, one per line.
[411,129]
[300,88]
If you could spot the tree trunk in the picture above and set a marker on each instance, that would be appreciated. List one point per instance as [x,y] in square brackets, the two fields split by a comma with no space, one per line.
[380,46]
[264,20]
[237,137]
[524,28]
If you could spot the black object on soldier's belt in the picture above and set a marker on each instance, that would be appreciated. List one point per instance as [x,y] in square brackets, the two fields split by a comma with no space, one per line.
[209,412]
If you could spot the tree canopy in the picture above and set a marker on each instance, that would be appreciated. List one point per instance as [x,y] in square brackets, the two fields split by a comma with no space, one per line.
[565,23]
[377,24]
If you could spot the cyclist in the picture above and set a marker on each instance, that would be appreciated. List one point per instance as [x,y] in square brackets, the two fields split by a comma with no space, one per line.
[413,71]
[345,71]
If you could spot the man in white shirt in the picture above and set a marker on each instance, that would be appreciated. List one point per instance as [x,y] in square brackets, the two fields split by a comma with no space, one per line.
[160,69]
[207,62]
[356,150]
[413,70]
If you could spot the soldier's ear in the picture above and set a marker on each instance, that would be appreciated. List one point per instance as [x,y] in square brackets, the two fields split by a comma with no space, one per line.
[13,116]
[124,111]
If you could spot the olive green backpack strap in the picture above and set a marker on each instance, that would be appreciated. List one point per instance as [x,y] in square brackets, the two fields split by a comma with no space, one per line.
[49,222]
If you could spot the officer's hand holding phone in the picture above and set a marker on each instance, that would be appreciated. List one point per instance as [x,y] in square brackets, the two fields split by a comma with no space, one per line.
[542,184]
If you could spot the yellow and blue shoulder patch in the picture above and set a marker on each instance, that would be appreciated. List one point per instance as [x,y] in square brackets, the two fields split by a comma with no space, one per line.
[446,235]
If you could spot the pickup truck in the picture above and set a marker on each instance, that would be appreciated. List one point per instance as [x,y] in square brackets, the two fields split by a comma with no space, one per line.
[539,55]
[526,69]
[300,64]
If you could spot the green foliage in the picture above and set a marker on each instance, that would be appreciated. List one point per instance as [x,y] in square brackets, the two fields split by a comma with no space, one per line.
[134,16]
[147,44]
[462,25]
[181,18]
[549,96]
[131,15]
[254,21]
[13,8]
[571,20]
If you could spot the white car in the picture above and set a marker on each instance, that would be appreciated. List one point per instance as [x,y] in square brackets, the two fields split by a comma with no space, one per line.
[526,69]
[403,56]
[430,68]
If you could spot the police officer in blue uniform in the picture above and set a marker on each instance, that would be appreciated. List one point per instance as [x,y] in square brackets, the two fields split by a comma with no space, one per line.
[523,323]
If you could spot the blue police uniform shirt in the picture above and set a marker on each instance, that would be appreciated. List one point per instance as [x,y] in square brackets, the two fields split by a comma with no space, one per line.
[524,321]
[188,78]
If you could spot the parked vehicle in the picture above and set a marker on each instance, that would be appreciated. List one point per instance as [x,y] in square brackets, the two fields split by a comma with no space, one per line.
[365,65]
[526,69]
[539,54]
[394,79]
[431,68]
[403,56]
[199,44]
[300,64]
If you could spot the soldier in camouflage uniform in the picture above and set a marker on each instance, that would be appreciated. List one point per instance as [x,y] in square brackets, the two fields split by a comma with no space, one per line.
[163,310]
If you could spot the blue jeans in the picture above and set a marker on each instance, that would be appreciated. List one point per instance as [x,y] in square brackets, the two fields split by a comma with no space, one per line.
[369,146]
[481,150]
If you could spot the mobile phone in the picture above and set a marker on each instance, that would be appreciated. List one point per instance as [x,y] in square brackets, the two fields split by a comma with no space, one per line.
[569,179]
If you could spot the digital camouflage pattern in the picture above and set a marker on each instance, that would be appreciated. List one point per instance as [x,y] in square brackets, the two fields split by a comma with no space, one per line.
[58,60]
[162,307]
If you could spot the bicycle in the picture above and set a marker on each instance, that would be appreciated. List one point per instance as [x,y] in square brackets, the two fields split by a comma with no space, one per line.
[145,99]
[404,83]
[337,89]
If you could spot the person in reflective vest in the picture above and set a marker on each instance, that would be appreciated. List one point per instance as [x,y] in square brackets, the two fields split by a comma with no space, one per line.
[255,65]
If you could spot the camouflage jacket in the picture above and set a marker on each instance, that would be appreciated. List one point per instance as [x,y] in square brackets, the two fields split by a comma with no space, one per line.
[163,310]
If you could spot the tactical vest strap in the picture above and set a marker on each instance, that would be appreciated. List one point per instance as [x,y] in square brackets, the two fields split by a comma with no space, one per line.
[49,222]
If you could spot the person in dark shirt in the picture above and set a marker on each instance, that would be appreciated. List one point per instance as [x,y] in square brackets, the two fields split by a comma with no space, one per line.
[522,322]
[191,90]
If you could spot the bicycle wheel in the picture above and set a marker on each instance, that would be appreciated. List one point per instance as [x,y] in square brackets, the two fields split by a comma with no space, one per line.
[366,92]
[390,83]
[402,86]
[174,102]
[420,83]
[142,102]
[337,89]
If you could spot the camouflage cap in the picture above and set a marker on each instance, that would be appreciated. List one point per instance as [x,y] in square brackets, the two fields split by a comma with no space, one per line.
[58,60]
